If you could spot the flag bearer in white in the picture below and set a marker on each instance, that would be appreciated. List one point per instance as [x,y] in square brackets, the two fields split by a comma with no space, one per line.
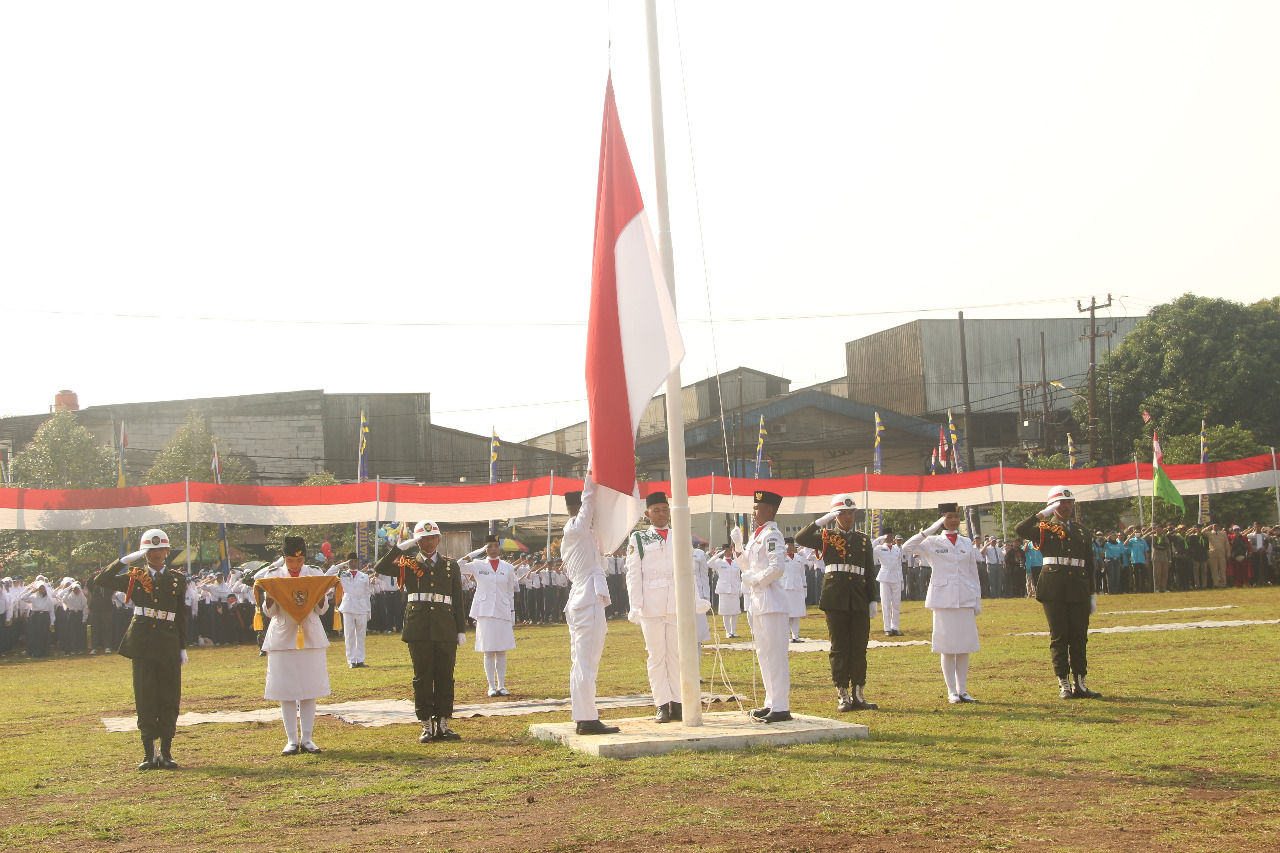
[588,597]
[493,608]
[651,586]
[888,557]
[357,598]
[763,561]
[702,590]
[794,582]
[728,588]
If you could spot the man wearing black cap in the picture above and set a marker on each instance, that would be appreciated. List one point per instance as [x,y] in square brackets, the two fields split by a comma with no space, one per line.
[763,562]
[1067,589]
[588,597]
[849,597]
[435,624]
[651,588]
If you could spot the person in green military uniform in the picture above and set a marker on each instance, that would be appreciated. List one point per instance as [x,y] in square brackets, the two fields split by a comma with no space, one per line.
[156,641]
[1067,589]
[435,624]
[850,596]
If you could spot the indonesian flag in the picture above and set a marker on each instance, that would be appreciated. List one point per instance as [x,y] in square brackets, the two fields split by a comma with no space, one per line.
[633,341]
[942,445]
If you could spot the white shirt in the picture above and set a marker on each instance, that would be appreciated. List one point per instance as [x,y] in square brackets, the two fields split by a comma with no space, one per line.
[763,564]
[495,589]
[889,559]
[954,582]
[282,633]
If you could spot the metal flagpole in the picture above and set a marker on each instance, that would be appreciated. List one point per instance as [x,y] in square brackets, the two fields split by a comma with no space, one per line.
[1137,476]
[187,484]
[377,515]
[686,631]
[866,516]
[711,516]
[1004,522]
[1275,473]
[551,495]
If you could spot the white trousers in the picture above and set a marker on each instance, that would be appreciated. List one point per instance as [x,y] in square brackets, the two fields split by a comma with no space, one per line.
[730,624]
[890,604]
[353,631]
[587,627]
[772,638]
[661,643]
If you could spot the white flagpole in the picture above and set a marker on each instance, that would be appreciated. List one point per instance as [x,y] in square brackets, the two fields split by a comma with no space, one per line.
[551,495]
[1004,522]
[377,515]
[1137,476]
[686,632]
[866,492]
[1275,473]
[187,487]
[711,519]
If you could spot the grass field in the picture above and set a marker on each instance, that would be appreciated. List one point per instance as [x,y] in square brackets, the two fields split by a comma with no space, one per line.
[1182,753]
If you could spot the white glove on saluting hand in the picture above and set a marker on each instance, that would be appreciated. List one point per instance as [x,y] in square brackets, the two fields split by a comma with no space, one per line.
[279,561]
[827,519]
[1050,509]
[462,639]
[935,527]
[1093,604]
[182,656]
[634,617]
[477,552]
[872,609]
[133,558]
[406,544]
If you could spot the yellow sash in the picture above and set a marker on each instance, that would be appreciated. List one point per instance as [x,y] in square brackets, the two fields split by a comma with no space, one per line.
[299,596]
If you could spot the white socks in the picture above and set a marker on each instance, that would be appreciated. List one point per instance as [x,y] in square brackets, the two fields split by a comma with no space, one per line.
[730,624]
[955,672]
[795,627]
[289,712]
[307,709]
[495,670]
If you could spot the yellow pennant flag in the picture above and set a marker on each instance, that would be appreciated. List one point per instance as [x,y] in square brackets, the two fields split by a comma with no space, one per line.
[299,596]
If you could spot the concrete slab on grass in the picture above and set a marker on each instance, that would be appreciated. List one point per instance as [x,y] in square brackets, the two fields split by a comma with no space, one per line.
[642,736]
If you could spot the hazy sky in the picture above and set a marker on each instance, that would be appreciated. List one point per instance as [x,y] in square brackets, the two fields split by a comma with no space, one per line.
[399,196]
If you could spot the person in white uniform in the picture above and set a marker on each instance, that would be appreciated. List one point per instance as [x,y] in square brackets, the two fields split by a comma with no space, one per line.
[954,596]
[493,609]
[296,677]
[888,557]
[355,607]
[793,581]
[651,588]
[585,610]
[763,562]
[702,591]
[728,588]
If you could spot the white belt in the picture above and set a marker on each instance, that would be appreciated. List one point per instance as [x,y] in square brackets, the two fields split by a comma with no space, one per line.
[1061,561]
[430,596]
[154,614]
[855,570]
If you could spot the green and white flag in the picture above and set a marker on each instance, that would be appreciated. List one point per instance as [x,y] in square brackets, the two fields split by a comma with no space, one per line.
[1163,486]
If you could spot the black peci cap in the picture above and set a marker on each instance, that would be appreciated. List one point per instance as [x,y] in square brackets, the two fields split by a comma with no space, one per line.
[655,498]
[946,508]
[295,546]
[773,499]
[573,498]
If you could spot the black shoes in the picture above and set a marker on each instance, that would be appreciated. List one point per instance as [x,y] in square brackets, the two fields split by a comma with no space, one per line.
[164,761]
[426,736]
[309,747]
[663,715]
[442,730]
[760,713]
[595,727]
[291,749]
[149,748]
[677,710]
[776,717]
[1080,691]
[1066,690]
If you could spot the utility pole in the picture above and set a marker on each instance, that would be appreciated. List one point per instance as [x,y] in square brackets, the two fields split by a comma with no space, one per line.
[1093,368]
[964,384]
[1044,395]
[1022,410]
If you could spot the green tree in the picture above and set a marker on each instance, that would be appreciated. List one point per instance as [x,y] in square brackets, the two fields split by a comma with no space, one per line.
[188,455]
[1191,359]
[341,537]
[61,455]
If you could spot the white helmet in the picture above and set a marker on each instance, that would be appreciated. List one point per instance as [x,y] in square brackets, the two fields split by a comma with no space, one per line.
[1060,493]
[154,538]
[840,502]
[425,528]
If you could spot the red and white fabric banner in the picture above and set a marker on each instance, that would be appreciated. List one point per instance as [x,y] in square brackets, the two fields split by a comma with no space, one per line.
[633,340]
[158,506]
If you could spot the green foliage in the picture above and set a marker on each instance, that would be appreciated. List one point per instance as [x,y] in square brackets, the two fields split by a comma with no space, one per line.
[341,537]
[1191,359]
[61,455]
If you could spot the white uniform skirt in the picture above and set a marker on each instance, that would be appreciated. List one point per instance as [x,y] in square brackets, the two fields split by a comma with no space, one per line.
[955,631]
[494,635]
[730,605]
[294,674]
[795,602]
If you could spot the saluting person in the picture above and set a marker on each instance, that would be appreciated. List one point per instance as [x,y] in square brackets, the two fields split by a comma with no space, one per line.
[1067,589]
[728,588]
[356,605]
[849,599]
[155,641]
[434,624]
[493,609]
[954,596]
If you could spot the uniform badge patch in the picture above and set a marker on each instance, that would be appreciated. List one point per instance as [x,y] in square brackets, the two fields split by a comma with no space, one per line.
[300,599]
[631,549]
[773,546]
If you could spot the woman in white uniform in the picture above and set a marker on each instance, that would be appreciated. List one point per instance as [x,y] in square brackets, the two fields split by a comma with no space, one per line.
[493,608]
[728,588]
[954,596]
[794,582]
[296,677]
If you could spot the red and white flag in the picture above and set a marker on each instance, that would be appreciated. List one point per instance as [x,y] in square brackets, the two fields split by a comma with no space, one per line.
[942,446]
[633,340]
[1146,416]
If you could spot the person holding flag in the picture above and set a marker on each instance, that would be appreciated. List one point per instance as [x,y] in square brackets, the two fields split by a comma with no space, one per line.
[1067,589]
[295,642]
[155,641]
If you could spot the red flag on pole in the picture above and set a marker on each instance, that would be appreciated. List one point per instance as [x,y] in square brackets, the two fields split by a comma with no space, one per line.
[942,445]
[633,341]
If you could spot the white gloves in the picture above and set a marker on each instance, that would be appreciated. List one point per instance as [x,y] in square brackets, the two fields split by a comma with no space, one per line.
[133,558]
[462,639]
[935,527]
[1050,509]
[279,561]
[872,609]
[634,617]
[977,608]
[1093,604]
[406,544]
[827,519]
[182,655]
[735,536]
[477,552]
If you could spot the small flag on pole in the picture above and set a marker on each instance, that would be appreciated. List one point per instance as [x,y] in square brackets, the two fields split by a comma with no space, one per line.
[1146,416]
[1071,452]
[933,462]
[957,465]
[224,554]
[877,516]
[1202,517]
[760,447]
[362,462]
[940,455]
[1161,484]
